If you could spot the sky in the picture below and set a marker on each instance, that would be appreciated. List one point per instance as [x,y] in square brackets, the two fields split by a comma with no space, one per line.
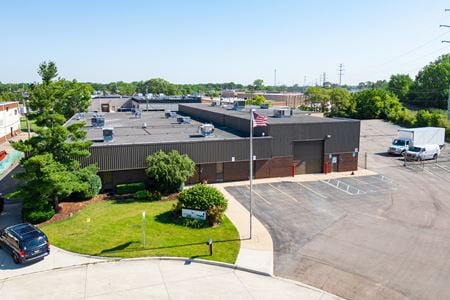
[194,41]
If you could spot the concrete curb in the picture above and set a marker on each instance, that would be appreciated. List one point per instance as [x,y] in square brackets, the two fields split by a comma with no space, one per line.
[150,258]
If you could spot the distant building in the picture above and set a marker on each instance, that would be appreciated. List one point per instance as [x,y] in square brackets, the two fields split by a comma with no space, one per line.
[9,120]
[285,99]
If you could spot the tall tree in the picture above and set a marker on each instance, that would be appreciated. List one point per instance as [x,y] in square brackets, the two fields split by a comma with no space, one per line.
[258,84]
[430,89]
[400,85]
[51,163]
[47,71]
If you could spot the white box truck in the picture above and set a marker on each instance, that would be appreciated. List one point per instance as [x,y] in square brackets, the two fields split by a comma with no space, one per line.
[417,136]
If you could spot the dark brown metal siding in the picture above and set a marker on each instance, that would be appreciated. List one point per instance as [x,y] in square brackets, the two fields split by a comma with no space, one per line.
[344,136]
[132,156]
[308,157]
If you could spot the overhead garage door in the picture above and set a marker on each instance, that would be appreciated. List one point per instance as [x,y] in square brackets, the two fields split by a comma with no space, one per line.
[308,157]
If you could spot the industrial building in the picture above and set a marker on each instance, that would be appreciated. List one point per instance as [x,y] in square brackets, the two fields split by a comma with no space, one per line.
[217,140]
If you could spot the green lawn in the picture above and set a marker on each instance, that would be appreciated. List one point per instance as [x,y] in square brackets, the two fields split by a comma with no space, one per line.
[114,229]
[23,125]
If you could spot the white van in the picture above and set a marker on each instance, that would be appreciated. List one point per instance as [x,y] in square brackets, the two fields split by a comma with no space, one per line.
[423,152]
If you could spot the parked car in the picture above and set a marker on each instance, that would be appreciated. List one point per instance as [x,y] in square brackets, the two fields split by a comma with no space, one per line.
[423,152]
[24,242]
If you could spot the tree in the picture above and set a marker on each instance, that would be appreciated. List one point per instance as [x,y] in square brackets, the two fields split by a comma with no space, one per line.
[318,95]
[51,168]
[47,71]
[160,86]
[169,171]
[204,197]
[257,100]
[342,103]
[400,85]
[258,84]
[375,104]
[430,88]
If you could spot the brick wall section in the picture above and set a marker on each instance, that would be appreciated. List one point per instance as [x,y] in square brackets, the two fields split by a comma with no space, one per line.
[281,166]
[8,136]
[347,162]
[235,171]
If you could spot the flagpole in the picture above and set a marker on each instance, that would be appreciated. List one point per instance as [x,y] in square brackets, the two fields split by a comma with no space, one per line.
[251,169]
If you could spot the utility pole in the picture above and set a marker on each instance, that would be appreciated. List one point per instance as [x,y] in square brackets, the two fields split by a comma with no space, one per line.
[341,72]
[448,100]
[275,78]
[324,78]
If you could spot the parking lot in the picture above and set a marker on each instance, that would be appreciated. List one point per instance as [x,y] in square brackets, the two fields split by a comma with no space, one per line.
[385,236]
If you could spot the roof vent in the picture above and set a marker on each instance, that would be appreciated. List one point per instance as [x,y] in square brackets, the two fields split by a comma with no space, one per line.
[108,134]
[98,120]
[184,120]
[170,114]
[206,130]
[282,112]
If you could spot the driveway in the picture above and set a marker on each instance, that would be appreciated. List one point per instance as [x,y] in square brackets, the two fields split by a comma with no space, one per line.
[374,237]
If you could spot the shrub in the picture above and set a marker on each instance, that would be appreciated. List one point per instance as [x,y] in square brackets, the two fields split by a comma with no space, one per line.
[140,195]
[154,196]
[95,185]
[146,195]
[129,188]
[204,197]
[170,170]
[37,211]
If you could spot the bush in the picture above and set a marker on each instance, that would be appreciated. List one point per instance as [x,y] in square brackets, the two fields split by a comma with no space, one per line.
[141,195]
[129,188]
[95,185]
[146,195]
[169,171]
[204,197]
[37,211]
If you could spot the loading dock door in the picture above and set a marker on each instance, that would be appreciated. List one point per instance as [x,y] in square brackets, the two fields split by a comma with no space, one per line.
[308,157]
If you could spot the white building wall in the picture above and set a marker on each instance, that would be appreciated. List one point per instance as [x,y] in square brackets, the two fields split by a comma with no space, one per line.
[9,118]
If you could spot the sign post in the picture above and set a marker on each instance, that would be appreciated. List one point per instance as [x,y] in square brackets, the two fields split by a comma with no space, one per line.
[143,228]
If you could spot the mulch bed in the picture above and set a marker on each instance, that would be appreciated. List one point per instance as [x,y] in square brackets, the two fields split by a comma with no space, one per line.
[68,209]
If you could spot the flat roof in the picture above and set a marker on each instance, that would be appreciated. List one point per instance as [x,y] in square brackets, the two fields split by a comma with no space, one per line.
[129,129]
[300,117]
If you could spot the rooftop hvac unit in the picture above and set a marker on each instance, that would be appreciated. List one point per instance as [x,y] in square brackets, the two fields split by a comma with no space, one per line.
[283,112]
[215,103]
[98,120]
[184,120]
[206,130]
[239,105]
[108,134]
[170,114]
[264,106]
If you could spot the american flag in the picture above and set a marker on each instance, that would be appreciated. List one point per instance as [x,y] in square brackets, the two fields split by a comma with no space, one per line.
[259,120]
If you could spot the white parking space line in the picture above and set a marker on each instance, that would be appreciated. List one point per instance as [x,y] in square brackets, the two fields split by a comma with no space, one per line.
[312,191]
[284,193]
[342,186]
[443,168]
[259,195]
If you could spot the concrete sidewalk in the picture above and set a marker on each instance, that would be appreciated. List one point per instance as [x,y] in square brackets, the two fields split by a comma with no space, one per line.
[153,279]
[257,253]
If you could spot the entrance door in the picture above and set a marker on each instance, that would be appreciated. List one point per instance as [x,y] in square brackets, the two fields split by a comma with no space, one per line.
[308,157]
